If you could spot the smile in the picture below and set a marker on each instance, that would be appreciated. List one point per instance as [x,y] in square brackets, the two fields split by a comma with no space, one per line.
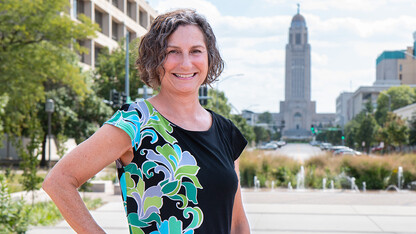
[184,76]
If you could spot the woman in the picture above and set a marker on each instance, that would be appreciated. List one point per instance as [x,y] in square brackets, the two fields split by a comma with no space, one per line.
[177,162]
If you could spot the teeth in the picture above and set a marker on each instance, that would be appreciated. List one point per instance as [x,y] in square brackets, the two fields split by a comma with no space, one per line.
[185,76]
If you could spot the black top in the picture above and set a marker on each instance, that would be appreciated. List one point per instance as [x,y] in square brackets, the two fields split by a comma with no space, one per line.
[179,181]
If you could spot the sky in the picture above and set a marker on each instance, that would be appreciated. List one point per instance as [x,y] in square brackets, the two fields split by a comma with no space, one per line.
[346,37]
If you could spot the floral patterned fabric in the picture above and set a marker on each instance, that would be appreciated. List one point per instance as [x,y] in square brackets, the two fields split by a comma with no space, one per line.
[169,187]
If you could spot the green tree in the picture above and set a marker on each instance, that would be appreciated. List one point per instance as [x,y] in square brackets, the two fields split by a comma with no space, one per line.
[110,72]
[218,103]
[362,128]
[265,117]
[262,134]
[399,96]
[243,126]
[395,131]
[412,129]
[38,46]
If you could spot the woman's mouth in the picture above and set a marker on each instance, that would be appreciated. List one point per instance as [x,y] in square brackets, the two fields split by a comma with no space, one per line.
[185,76]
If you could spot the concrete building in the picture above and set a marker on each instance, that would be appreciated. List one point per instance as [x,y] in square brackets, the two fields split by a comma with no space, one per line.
[298,110]
[115,18]
[393,68]
[343,114]
[397,67]
[407,112]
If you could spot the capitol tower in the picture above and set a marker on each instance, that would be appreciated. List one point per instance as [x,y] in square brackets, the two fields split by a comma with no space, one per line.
[297,110]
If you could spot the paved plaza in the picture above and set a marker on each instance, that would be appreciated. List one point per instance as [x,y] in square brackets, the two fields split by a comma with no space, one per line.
[293,211]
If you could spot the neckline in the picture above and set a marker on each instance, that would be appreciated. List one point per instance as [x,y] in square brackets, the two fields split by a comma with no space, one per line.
[183,129]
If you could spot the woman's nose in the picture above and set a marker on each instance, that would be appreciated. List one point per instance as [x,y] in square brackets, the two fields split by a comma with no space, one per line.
[186,61]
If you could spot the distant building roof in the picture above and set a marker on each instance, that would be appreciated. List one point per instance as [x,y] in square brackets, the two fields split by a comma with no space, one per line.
[298,21]
[398,54]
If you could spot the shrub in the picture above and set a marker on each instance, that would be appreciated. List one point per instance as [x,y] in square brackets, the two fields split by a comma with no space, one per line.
[13,214]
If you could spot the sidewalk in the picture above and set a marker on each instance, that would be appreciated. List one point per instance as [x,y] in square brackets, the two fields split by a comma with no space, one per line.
[291,211]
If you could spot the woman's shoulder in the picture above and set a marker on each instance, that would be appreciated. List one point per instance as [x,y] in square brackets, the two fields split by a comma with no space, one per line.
[220,120]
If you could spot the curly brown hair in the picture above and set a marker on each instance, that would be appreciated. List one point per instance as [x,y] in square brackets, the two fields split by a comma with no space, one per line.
[153,46]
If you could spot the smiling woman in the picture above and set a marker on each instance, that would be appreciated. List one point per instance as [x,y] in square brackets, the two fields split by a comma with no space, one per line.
[177,162]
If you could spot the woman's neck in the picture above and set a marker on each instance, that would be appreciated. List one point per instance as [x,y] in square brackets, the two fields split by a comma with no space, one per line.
[183,110]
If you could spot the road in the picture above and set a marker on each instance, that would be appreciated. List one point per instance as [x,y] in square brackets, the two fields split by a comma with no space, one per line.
[298,151]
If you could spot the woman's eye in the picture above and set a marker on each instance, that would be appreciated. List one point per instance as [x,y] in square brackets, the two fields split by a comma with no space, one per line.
[173,52]
[196,51]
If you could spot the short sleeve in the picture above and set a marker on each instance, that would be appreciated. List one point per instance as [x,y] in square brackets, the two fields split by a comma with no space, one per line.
[127,119]
[238,142]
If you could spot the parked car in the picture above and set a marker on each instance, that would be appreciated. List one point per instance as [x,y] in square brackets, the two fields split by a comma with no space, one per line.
[338,147]
[281,143]
[315,143]
[347,151]
[325,146]
[269,146]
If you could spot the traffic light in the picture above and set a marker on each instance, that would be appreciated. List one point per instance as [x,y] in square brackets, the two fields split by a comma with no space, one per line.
[312,128]
[203,95]
[342,137]
[123,98]
[115,97]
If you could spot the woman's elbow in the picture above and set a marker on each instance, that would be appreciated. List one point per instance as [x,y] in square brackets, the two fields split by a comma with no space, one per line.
[49,183]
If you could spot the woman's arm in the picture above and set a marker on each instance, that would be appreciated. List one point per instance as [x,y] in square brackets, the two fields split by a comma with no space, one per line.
[104,147]
[239,223]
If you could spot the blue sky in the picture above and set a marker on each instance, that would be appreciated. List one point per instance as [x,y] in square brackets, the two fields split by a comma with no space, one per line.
[346,36]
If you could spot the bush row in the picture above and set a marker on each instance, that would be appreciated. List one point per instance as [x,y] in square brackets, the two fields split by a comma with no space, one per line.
[378,172]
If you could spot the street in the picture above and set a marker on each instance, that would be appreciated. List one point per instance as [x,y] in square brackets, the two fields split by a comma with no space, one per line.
[297,151]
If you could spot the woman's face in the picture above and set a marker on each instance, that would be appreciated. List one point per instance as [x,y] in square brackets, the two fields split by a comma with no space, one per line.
[186,64]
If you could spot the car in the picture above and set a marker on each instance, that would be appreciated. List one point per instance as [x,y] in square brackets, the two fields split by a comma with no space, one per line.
[315,143]
[338,147]
[325,146]
[281,143]
[269,146]
[377,148]
[347,151]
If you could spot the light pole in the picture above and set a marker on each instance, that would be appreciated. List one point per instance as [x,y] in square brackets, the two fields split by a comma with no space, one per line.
[49,108]
[217,90]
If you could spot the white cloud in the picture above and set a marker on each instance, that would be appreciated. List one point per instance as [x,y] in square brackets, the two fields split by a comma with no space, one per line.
[346,36]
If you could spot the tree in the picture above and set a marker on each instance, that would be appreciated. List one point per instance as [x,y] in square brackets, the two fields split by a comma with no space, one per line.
[395,131]
[265,117]
[218,103]
[362,129]
[412,129]
[37,51]
[262,134]
[243,126]
[399,97]
[110,72]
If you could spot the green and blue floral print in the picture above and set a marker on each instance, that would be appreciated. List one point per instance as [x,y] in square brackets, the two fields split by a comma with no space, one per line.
[163,187]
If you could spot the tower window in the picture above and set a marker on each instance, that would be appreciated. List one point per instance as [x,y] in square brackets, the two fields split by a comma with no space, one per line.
[297,38]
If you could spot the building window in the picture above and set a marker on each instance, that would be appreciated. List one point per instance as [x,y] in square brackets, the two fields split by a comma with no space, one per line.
[143,18]
[115,3]
[97,51]
[297,38]
[80,7]
[114,30]
[400,76]
[99,19]
[130,9]
[400,67]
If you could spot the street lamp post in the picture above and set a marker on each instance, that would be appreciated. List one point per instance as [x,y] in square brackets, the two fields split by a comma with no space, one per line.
[49,108]
[223,79]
